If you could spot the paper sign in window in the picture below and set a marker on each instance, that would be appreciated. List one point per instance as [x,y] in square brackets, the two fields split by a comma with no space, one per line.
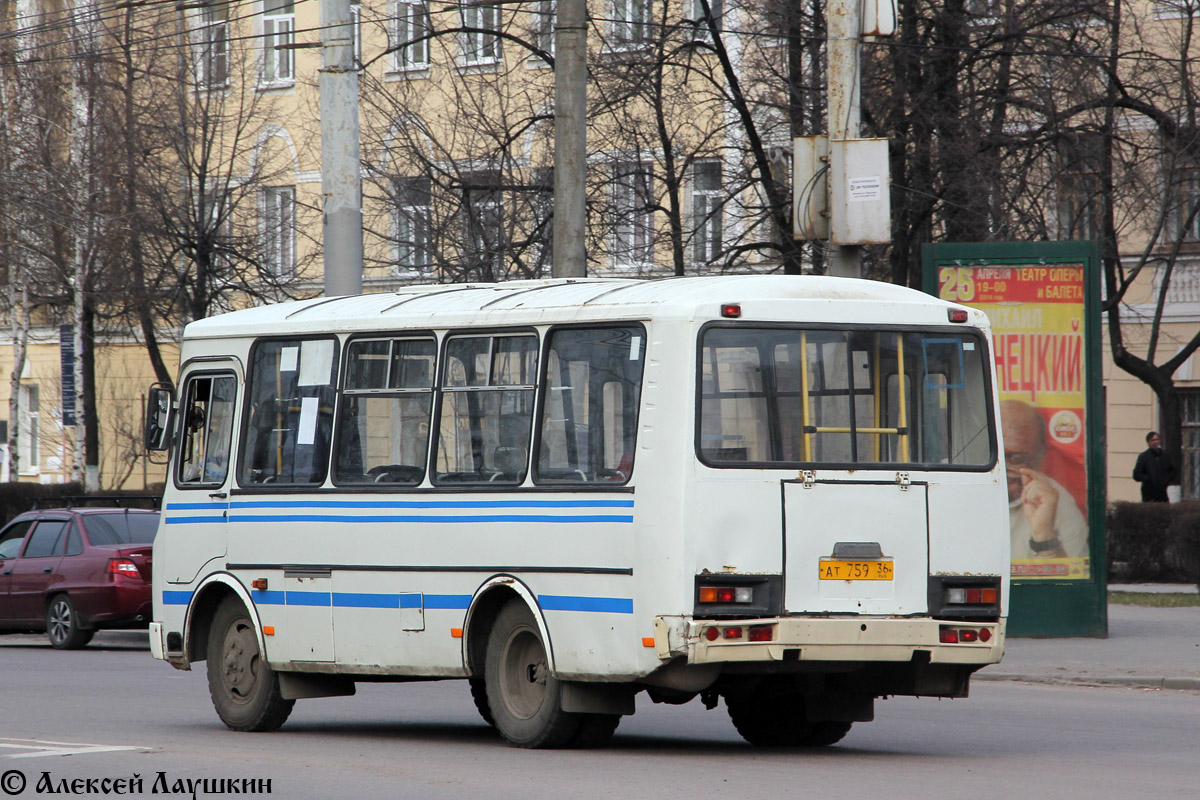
[308,420]
[316,362]
[288,358]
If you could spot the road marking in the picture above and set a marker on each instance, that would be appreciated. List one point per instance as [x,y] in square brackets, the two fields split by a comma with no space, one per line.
[37,748]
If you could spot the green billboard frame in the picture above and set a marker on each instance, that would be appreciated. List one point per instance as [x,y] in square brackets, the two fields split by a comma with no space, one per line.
[1049,608]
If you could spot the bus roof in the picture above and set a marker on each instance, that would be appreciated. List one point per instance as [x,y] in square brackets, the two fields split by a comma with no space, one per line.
[808,298]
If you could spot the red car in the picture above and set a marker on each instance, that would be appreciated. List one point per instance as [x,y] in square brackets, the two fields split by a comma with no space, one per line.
[71,571]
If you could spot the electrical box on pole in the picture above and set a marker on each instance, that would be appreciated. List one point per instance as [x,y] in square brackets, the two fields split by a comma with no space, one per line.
[860,207]
[810,188]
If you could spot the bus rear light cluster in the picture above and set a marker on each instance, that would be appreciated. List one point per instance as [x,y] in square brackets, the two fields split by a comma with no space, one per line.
[753,633]
[970,596]
[950,635]
[726,594]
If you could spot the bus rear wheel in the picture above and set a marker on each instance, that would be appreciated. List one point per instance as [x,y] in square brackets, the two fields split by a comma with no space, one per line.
[244,688]
[524,698]
[768,718]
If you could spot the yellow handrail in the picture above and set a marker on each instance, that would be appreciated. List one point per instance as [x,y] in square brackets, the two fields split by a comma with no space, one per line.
[903,406]
[804,395]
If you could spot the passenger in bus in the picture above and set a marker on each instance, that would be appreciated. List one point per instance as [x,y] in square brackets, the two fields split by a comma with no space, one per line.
[1043,518]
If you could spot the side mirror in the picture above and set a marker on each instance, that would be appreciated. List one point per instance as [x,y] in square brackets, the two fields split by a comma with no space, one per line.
[160,417]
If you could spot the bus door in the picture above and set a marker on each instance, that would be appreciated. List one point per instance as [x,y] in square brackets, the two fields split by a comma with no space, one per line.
[200,472]
[855,547]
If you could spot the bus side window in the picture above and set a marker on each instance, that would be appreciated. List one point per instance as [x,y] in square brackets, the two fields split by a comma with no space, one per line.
[290,393]
[207,430]
[588,427]
[383,423]
[487,409]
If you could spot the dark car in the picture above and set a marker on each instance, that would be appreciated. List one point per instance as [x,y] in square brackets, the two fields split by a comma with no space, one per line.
[71,571]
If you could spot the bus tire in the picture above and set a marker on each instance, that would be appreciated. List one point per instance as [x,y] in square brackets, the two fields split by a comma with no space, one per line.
[595,730]
[767,718]
[479,695]
[524,698]
[244,688]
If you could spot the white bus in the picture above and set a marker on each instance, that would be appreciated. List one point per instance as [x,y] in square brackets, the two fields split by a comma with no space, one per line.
[781,491]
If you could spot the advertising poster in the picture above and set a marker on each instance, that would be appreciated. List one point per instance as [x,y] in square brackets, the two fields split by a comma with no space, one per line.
[1037,315]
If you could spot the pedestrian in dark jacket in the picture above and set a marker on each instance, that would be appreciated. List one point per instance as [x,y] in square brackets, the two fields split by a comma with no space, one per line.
[1154,471]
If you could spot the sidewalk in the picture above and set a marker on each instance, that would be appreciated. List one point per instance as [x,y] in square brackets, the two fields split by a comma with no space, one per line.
[1156,648]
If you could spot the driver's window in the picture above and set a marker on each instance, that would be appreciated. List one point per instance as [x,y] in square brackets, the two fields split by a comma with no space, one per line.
[10,540]
[207,425]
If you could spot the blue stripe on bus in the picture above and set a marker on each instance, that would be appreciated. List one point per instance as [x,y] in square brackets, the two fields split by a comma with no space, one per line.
[428,504]
[454,602]
[176,598]
[307,598]
[362,600]
[427,519]
[191,520]
[610,605]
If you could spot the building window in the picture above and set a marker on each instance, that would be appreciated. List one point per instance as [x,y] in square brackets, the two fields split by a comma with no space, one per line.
[210,39]
[279,23]
[633,213]
[279,231]
[483,231]
[410,27]
[1079,199]
[707,207]
[541,25]
[628,23]
[700,18]
[476,46]
[30,430]
[414,211]
[1184,220]
[1189,402]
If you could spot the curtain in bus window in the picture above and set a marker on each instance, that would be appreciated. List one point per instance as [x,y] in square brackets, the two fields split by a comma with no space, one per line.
[588,425]
[383,424]
[486,409]
[290,400]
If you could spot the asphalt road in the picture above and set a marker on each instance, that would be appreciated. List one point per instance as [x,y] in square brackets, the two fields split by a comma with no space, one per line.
[110,711]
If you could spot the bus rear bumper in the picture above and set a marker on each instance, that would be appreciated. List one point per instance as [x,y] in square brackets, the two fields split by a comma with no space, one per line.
[843,639]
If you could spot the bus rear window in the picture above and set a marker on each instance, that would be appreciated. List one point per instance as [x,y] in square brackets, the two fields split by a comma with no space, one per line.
[855,396]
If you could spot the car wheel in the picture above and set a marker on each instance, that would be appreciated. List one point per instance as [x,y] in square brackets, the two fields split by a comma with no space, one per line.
[525,699]
[63,625]
[244,688]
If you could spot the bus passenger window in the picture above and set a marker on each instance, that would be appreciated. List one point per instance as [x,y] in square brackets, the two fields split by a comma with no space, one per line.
[207,429]
[486,410]
[290,394]
[588,426]
[383,422]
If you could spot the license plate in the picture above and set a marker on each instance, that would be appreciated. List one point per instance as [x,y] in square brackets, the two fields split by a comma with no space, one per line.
[855,571]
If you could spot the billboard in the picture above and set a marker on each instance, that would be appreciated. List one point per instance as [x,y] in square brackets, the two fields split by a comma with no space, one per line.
[1037,315]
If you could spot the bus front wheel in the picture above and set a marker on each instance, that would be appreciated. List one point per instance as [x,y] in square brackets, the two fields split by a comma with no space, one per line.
[244,688]
[524,698]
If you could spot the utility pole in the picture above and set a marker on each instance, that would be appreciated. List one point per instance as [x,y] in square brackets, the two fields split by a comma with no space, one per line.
[570,138]
[840,188]
[341,181]
[843,35]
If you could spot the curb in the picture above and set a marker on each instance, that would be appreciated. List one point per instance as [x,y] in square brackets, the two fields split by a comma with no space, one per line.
[1126,681]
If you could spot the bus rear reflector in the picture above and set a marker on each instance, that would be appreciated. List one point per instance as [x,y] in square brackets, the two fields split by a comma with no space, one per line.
[761,633]
[731,310]
[957,314]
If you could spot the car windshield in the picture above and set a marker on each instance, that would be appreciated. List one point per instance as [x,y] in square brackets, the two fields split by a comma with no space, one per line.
[121,528]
